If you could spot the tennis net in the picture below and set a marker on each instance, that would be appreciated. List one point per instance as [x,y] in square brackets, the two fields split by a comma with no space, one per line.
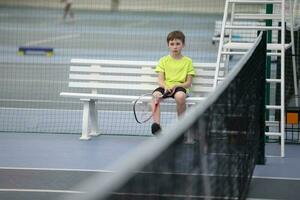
[225,134]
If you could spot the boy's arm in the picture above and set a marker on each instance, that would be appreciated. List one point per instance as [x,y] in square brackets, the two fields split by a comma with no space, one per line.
[161,79]
[187,83]
[161,82]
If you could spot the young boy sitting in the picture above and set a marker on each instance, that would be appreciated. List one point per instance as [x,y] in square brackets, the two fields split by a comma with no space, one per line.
[175,73]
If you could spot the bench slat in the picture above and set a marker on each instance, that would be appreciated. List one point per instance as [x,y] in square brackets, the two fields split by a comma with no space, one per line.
[98,69]
[133,71]
[113,97]
[139,67]
[116,78]
[114,62]
[132,63]
[128,86]
[99,85]
[203,81]
[100,78]
[200,89]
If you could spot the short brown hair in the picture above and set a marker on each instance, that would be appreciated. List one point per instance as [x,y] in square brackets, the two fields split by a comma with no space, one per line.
[176,35]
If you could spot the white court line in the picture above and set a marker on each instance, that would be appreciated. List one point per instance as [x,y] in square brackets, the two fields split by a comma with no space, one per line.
[276,178]
[111,171]
[273,156]
[41,190]
[258,199]
[56,169]
[52,39]
[174,195]
[136,24]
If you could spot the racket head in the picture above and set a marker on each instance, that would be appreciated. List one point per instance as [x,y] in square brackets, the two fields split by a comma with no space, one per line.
[143,108]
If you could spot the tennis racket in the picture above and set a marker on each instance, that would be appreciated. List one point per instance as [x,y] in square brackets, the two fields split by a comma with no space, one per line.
[143,107]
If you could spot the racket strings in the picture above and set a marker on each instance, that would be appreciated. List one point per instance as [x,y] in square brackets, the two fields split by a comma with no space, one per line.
[145,106]
[143,110]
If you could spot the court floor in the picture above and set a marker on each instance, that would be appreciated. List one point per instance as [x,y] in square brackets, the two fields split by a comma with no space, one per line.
[46,166]
[36,166]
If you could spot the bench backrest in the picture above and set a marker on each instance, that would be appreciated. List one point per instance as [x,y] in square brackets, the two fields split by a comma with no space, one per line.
[130,77]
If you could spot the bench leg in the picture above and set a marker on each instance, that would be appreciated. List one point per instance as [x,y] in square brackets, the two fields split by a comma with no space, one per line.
[94,119]
[85,120]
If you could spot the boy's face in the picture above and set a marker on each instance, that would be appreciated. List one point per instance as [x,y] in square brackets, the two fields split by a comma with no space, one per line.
[175,46]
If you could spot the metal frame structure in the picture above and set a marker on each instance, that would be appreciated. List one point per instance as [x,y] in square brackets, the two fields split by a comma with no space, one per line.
[229,48]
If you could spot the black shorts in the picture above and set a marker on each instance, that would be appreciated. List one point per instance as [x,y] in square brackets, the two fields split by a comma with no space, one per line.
[162,90]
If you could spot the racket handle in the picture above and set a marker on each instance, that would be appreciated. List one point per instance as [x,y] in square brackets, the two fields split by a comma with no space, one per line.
[166,94]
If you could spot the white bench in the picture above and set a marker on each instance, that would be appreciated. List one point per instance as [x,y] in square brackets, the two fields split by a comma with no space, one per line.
[122,80]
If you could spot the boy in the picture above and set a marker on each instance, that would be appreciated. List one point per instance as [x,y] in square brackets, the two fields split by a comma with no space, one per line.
[67,9]
[175,73]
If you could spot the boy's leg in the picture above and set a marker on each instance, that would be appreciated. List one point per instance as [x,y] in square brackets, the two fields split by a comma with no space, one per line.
[70,11]
[156,115]
[67,9]
[158,92]
[65,12]
[180,98]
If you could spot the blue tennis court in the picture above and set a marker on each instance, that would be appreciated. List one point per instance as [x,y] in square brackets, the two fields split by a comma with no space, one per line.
[45,166]
[41,154]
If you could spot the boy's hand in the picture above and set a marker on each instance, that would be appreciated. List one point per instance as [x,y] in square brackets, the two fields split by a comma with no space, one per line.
[167,90]
[173,90]
[170,91]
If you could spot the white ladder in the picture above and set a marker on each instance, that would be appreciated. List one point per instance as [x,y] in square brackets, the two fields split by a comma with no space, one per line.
[240,48]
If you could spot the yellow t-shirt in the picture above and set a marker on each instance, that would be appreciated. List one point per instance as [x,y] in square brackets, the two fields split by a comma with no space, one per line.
[176,71]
